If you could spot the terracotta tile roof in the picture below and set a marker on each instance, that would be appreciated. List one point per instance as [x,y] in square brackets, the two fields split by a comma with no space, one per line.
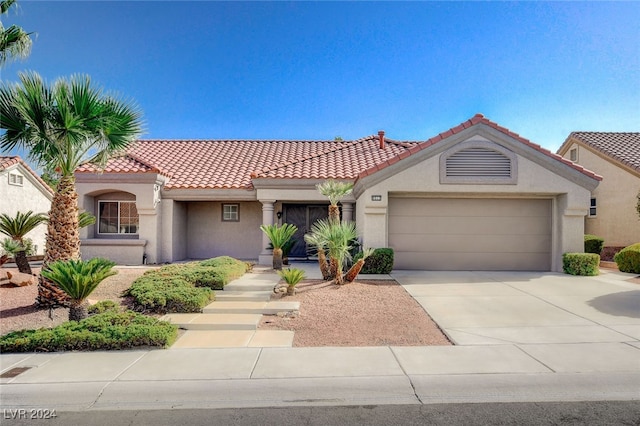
[6,162]
[623,147]
[344,161]
[475,120]
[232,164]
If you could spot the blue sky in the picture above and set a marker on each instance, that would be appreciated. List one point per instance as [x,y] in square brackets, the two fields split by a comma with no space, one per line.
[316,70]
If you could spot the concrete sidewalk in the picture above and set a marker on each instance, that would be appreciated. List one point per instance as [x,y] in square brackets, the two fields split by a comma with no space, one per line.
[521,337]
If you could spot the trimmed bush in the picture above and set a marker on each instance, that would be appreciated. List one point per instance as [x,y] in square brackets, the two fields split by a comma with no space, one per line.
[103,306]
[184,287]
[108,330]
[628,259]
[593,244]
[162,294]
[585,264]
[379,262]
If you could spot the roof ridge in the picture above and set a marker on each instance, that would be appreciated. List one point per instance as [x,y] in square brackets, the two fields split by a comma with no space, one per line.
[16,159]
[340,145]
[477,119]
[145,163]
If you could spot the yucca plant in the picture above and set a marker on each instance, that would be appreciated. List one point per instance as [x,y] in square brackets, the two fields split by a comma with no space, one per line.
[337,238]
[334,190]
[279,236]
[78,279]
[292,276]
[16,227]
[355,269]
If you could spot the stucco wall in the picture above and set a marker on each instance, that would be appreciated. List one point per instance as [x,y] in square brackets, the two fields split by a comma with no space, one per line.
[23,198]
[534,181]
[616,220]
[208,236]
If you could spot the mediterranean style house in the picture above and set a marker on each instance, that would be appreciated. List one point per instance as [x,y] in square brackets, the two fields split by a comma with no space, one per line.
[476,197]
[21,190]
[615,156]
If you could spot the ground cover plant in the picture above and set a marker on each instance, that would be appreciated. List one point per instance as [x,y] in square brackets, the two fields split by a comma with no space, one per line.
[183,287]
[110,329]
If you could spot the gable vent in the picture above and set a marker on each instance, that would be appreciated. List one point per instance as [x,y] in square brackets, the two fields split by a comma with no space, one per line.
[478,162]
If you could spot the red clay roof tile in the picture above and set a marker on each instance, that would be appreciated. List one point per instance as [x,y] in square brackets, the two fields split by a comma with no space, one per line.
[623,147]
[6,162]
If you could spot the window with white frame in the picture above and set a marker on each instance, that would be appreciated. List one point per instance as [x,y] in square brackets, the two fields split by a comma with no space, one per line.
[573,154]
[117,217]
[231,212]
[593,207]
[16,179]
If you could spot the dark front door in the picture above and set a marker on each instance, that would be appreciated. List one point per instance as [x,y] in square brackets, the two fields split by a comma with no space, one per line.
[303,216]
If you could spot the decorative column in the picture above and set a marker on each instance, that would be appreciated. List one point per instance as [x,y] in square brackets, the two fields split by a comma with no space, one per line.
[266,255]
[347,212]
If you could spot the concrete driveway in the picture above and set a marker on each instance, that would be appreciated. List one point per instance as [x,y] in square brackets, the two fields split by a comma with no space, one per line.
[560,320]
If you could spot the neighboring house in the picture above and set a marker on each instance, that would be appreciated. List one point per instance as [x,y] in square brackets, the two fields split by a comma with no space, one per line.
[616,157]
[476,197]
[21,189]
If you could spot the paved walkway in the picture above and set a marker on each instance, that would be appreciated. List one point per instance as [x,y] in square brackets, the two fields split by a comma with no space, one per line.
[520,337]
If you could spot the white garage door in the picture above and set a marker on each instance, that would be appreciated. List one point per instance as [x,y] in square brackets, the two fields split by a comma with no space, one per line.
[470,234]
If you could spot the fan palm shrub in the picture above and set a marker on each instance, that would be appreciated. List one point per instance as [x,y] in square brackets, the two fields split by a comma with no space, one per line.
[78,279]
[355,269]
[335,191]
[337,239]
[315,241]
[292,276]
[17,227]
[279,236]
[63,126]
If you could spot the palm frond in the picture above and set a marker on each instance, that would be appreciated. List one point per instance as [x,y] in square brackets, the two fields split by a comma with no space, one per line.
[335,190]
[279,235]
[21,224]
[77,278]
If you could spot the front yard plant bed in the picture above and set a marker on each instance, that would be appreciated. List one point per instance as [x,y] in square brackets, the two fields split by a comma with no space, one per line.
[185,287]
[108,330]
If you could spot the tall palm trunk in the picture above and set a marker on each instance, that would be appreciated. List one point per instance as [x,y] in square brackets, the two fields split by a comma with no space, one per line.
[22,262]
[63,240]
[324,265]
[334,213]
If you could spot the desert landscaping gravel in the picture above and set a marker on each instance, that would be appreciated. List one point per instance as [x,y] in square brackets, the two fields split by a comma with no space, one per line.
[363,313]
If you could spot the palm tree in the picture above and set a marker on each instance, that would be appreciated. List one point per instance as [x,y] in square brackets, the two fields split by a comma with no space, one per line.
[63,126]
[17,228]
[14,41]
[279,236]
[334,191]
[292,276]
[315,240]
[337,238]
[78,279]
[355,269]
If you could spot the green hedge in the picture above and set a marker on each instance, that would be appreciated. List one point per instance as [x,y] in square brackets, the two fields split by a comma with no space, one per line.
[108,330]
[593,244]
[162,294]
[581,263]
[184,287]
[380,261]
[628,259]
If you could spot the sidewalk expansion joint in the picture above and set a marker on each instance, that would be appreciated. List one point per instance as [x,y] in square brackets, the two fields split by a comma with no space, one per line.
[413,387]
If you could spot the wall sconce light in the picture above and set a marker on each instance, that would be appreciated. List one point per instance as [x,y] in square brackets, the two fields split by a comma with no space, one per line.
[376,198]
[279,214]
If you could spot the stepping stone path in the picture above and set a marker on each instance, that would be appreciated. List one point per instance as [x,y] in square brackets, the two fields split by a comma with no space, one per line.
[232,320]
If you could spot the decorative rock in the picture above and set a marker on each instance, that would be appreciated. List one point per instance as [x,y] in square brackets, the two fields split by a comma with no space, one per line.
[19,279]
[4,278]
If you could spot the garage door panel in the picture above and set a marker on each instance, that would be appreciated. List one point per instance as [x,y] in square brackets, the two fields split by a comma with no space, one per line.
[471,243]
[471,261]
[471,234]
[467,207]
[469,225]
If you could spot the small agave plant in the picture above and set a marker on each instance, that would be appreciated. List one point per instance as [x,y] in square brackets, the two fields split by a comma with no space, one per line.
[292,277]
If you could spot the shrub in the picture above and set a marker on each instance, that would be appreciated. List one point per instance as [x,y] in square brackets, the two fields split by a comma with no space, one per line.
[103,306]
[164,294]
[593,244]
[379,262]
[628,259]
[108,330]
[581,263]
